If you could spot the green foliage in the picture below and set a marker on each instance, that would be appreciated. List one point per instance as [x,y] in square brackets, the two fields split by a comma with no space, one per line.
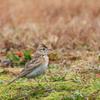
[76,96]
[79,96]
[96,84]
[20,60]
[58,77]
[1,82]
[51,66]
[27,55]
[3,72]
[67,66]
[13,58]
[99,58]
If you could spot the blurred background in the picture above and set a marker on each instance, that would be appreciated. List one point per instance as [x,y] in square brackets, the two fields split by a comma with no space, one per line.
[66,24]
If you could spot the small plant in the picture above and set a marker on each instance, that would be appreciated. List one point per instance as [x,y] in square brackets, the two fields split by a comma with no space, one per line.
[79,96]
[51,66]
[58,77]
[96,84]
[76,96]
[19,58]
[27,55]
[67,66]
[1,82]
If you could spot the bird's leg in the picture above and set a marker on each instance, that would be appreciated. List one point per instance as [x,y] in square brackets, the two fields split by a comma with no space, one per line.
[37,82]
[45,77]
[30,83]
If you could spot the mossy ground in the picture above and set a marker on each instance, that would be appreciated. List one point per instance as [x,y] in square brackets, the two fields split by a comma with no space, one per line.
[54,87]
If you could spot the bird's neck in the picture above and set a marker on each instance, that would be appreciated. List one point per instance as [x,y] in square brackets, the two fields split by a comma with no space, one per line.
[40,53]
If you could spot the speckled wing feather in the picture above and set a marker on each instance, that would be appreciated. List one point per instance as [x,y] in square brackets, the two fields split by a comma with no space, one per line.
[35,60]
[33,64]
[30,68]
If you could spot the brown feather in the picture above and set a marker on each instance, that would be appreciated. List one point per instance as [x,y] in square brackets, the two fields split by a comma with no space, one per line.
[33,64]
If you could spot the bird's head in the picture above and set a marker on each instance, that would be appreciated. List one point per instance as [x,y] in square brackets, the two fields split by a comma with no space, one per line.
[43,49]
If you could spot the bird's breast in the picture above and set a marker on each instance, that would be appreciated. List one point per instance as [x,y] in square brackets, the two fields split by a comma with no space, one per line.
[39,70]
[45,60]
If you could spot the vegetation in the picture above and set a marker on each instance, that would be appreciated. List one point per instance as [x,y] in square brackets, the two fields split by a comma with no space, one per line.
[71,29]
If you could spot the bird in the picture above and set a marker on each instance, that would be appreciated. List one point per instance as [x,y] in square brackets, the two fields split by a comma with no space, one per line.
[37,65]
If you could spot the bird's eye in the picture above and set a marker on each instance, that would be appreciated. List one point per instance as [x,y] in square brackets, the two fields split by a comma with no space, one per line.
[43,48]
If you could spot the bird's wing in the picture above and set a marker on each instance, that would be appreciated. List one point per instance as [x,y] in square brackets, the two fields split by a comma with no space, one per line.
[33,61]
[33,64]
[30,67]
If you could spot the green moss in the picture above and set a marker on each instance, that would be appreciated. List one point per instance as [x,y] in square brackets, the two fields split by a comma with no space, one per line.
[62,89]
[98,97]
[55,96]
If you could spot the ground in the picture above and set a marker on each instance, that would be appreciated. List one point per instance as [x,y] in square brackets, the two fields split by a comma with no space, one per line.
[71,28]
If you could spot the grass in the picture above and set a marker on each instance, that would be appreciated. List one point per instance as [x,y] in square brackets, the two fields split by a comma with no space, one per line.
[74,80]
[61,90]
[72,86]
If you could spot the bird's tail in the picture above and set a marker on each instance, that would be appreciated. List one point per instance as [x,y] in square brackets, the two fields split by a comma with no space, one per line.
[13,80]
